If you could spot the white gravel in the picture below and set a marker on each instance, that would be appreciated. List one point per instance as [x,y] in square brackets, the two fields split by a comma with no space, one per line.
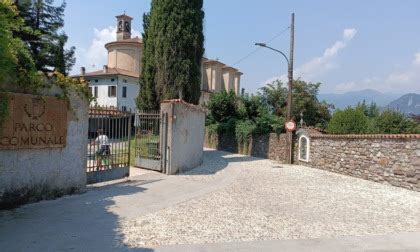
[266,202]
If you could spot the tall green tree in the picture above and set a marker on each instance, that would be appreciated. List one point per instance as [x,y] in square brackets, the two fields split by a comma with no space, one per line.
[44,36]
[147,96]
[274,95]
[174,47]
[17,69]
[305,101]
[370,111]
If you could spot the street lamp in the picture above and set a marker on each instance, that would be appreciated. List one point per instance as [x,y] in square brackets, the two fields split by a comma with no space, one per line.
[290,77]
[266,46]
[289,147]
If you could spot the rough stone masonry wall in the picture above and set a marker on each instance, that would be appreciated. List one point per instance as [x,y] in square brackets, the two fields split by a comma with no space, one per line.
[271,146]
[29,175]
[388,159]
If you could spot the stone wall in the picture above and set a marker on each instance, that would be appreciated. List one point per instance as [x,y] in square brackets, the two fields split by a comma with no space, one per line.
[389,159]
[28,175]
[271,146]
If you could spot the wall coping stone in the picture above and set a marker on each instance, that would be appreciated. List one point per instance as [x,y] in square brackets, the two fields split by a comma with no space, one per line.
[369,136]
[196,107]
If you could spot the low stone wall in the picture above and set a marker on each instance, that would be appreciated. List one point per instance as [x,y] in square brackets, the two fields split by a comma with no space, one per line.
[389,159]
[271,146]
[28,175]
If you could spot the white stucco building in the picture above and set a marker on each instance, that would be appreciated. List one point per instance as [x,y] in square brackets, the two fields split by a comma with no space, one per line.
[117,84]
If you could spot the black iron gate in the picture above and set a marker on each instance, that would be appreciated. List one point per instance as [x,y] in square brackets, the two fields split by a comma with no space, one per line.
[109,144]
[150,140]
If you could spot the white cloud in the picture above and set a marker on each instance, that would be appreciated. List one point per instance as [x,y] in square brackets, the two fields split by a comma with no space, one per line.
[416,60]
[95,56]
[405,80]
[320,65]
[349,33]
[399,81]
[345,87]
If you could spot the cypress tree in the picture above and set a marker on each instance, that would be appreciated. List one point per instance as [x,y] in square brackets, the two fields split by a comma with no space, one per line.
[147,95]
[173,49]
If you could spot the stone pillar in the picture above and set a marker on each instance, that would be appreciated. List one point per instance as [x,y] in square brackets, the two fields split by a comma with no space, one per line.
[185,137]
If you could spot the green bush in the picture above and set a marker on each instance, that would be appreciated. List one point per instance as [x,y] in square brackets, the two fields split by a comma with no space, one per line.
[349,121]
[368,120]
[241,116]
[244,131]
[267,123]
[394,122]
[222,107]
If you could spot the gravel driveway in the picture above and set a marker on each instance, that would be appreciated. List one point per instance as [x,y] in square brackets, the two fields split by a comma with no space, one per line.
[229,198]
[269,201]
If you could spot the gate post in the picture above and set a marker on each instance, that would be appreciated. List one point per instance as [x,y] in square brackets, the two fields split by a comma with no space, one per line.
[163,140]
[185,135]
[129,139]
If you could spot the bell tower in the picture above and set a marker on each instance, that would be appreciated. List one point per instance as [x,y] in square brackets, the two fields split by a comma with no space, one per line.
[123,27]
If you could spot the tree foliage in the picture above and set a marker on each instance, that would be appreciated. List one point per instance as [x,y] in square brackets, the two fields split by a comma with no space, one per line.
[365,119]
[224,106]
[241,116]
[305,101]
[43,34]
[394,122]
[173,48]
[349,121]
[17,68]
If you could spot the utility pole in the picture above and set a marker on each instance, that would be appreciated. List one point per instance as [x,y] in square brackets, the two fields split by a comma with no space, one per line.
[290,125]
[289,134]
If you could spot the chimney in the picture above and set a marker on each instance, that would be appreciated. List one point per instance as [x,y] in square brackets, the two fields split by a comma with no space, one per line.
[105,69]
[82,70]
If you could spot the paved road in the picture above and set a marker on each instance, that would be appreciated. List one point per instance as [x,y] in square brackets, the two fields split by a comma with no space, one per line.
[230,203]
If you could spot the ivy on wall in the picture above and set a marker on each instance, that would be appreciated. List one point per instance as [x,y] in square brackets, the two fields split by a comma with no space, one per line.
[4,109]
[66,85]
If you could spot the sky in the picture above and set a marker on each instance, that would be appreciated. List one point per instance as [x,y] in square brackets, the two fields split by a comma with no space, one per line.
[345,45]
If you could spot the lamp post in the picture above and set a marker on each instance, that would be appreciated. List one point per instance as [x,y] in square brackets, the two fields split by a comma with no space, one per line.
[289,147]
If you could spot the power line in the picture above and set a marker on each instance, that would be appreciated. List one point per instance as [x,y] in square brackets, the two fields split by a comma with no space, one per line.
[258,48]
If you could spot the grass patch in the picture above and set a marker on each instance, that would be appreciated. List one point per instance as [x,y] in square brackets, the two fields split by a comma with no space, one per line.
[147,147]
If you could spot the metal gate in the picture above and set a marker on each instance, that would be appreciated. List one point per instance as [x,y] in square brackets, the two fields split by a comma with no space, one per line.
[151,140]
[109,144]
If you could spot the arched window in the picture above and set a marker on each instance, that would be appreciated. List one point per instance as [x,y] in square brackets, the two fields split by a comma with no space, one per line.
[303,154]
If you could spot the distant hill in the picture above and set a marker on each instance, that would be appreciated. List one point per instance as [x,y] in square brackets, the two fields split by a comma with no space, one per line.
[407,104]
[352,98]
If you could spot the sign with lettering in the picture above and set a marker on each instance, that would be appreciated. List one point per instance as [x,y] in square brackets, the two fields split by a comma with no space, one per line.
[33,122]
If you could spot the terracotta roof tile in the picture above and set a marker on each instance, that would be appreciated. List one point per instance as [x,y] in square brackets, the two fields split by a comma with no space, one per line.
[111,71]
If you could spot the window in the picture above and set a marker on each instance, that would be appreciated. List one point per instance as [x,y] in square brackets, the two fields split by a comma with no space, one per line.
[125,81]
[124,93]
[304,147]
[112,91]
[112,80]
[124,108]
[96,80]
